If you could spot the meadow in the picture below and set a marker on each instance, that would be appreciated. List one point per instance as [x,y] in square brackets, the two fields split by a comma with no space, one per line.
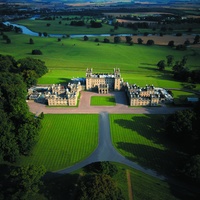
[102,101]
[70,57]
[64,140]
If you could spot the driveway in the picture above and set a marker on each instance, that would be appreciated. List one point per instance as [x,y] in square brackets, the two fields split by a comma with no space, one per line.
[106,152]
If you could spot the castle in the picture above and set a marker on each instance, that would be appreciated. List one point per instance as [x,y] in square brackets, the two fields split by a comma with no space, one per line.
[103,83]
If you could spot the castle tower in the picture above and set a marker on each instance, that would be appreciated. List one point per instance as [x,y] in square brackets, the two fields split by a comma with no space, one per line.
[117,76]
[89,79]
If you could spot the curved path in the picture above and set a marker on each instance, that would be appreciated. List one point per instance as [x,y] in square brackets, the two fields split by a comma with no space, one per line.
[106,152]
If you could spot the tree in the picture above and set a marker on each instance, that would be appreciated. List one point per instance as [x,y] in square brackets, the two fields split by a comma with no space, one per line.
[31,41]
[96,40]
[196,39]
[45,34]
[187,43]
[8,40]
[181,47]
[106,40]
[184,60]
[171,43]
[180,125]
[95,24]
[150,42]
[27,181]
[18,127]
[192,168]
[8,64]
[178,67]
[104,167]
[98,187]
[117,39]
[128,39]
[140,41]
[170,59]
[85,38]
[36,52]
[161,65]
[31,69]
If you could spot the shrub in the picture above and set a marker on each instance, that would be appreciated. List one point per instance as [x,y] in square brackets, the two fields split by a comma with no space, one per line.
[36,52]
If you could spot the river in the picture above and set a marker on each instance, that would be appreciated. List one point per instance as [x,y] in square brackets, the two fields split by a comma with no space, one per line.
[27,31]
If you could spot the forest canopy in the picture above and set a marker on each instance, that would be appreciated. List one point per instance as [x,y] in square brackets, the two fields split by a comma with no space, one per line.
[18,127]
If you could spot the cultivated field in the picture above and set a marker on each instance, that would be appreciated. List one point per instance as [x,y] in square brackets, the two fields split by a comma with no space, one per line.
[64,140]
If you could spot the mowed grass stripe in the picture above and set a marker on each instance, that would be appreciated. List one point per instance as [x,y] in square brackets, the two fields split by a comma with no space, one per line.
[141,138]
[64,140]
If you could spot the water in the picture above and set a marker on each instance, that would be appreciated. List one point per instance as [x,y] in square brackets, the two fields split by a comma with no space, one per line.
[27,31]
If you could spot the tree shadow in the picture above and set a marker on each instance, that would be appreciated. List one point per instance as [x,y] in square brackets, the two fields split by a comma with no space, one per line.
[165,159]
[64,80]
[60,187]
[148,64]
[148,126]
[161,161]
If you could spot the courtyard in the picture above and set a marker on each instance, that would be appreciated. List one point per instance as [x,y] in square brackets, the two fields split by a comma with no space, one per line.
[85,107]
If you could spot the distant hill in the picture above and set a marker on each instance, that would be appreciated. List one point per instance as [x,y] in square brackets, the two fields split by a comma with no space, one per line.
[98,1]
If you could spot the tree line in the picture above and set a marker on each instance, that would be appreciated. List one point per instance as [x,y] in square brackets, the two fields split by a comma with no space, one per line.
[182,127]
[18,127]
[180,71]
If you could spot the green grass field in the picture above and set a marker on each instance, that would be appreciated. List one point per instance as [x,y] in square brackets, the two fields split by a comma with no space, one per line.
[181,96]
[64,140]
[102,101]
[66,60]
[66,29]
[141,138]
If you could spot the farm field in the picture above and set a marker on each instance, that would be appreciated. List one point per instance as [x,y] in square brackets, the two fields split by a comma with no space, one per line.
[102,101]
[141,138]
[64,140]
[70,58]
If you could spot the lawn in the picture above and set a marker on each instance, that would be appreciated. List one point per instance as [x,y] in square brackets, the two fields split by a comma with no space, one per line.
[64,140]
[102,101]
[70,58]
[141,138]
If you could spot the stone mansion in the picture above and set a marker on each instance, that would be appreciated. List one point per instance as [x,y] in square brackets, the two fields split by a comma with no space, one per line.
[103,83]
